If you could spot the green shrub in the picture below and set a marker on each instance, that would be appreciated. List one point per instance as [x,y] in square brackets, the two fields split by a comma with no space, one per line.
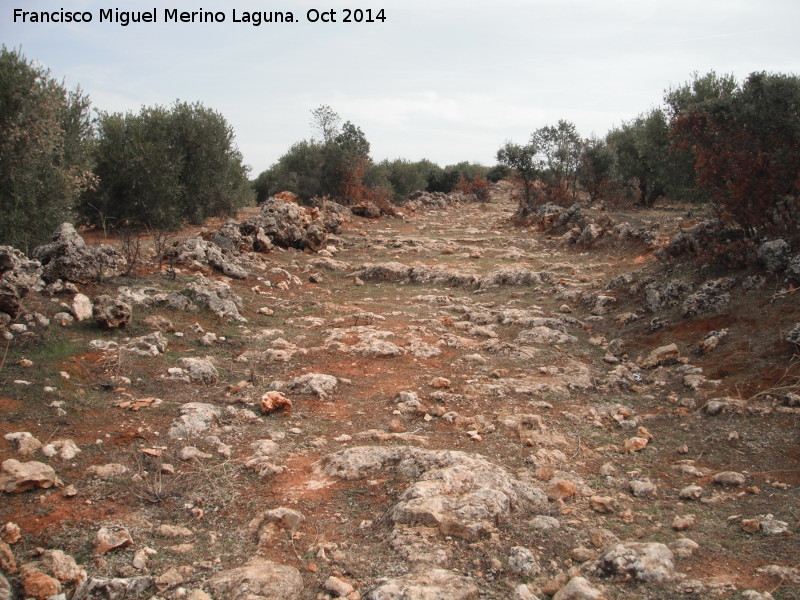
[160,168]
[333,167]
[497,173]
[745,141]
[44,157]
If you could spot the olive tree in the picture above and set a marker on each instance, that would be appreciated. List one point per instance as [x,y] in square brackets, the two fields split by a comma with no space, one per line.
[522,160]
[162,167]
[745,142]
[336,166]
[44,157]
[558,154]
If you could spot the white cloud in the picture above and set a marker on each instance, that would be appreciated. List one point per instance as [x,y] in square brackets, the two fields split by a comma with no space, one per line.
[447,80]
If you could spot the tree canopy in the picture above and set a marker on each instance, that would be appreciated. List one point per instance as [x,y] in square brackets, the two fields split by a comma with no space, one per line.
[45,164]
[745,141]
[335,166]
[161,167]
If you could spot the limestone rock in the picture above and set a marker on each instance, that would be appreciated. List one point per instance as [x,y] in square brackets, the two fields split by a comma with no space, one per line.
[110,313]
[545,335]
[665,355]
[81,307]
[793,337]
[64,449]
[97,588]
[683,547]
[711,296]
[217,297]
[19,275]
[460,494]
[513,276]
[578,588]
[152,298]
[393,271]
[774,255]
[338,587]
[321,262]
[39,585]
[62,566]
[289,225]
[16,476]
[523,562]
[111,538]
[435,584]
[651,562]
[198,252]
[5,588]
[273,401]
[376,348]
[8,562]
[635,444]
[643,489]
[196,417]
[69,258]
[151,344]
[691,492]
[314,384]
[173,531]
[199,370]
[683,522]
[258,580]
[729,479]
[229,237]
[10,533]
[27,445]
[107,471]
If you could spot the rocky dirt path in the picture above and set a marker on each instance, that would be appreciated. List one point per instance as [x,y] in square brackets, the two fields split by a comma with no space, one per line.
[439,405]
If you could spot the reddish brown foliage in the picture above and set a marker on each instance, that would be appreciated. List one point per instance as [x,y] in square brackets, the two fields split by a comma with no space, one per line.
[361,198]
[352,188]
[558,192]
[619,194]
[729,255]
[479,186]
[749,177]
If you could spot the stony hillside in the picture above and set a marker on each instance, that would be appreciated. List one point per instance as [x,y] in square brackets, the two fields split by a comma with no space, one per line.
[303,403]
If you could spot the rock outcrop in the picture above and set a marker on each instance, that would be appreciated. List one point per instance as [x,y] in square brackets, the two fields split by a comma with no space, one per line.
[68,257]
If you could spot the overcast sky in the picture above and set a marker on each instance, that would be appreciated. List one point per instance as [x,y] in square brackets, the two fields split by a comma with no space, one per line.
[447,80]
